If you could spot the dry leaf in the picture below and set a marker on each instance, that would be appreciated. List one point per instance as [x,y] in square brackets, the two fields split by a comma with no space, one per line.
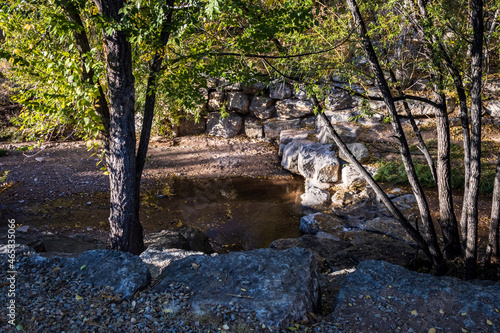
[441,311]
[78,297]
[414,313]
[489,322]
[432,330]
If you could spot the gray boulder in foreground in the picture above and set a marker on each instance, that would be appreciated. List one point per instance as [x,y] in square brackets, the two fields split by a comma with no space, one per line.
[122,270]
[378,290]
[277,286]
[157,259]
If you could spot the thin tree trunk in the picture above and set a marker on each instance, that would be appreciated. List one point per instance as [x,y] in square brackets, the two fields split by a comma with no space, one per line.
[475,165]
[429,231]
[492,250]
[124,223]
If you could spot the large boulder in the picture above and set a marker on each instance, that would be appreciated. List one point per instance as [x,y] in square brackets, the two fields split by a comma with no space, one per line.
[123,271]
[238,101]
[276,286]
[253,87]
[294,108]
[262,107]
[197,239]
[492,107]
[319,162]
[422,302]
[390,227]
[273,127]
[156,259]
[166,239]
[279,91]
[224,127]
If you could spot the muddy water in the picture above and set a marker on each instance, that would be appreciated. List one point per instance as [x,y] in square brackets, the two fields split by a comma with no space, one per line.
[235,213]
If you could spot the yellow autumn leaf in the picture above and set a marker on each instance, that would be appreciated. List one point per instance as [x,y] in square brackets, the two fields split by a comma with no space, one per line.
[441,311]
[489,322]
[432,330]
[368,296]
[78,297]
[414,313]
[464,314]
[464,330]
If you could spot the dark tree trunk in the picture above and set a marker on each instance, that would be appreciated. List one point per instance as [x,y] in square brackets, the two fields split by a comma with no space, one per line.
[428,227]
[492,250]
[475,165]
[126,231]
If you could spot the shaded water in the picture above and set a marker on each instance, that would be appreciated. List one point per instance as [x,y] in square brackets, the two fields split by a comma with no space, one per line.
[235,213]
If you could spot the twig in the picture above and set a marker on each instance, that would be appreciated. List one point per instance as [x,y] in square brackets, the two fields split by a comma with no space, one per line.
[240,296]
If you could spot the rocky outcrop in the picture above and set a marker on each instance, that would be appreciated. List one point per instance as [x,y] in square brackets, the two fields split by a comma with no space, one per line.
[421,301]
[262,107]
[238,102]
[277,286]
[224,127]
[318,162]
[273,127]
[294,108]
[156,260]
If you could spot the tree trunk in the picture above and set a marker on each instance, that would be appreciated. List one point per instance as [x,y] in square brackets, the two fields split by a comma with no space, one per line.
[126,231]
[429,231]
[492,250]
[475,165]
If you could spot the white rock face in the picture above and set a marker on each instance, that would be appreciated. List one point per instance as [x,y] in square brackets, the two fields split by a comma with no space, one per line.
[238,101]
[289,161]
[226,128]
[316,198]
[157,259]
[359,151]
[318,162]
[294,108]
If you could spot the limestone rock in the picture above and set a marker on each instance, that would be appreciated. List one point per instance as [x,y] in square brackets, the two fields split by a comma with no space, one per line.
[253,87]
[315,198]
[279,91]
[278,286]
[314,223]
[317,161]
[273,127]
[340,100]
[287,136]
[156,260]
[389,227]
[492,107]
[215,101]
[289,160]
[166,239]
[349,132]
[294,108]
[359,150]
[262,107]
[226,128]
[253,128]
[351,178]
[420,300]
[238,101]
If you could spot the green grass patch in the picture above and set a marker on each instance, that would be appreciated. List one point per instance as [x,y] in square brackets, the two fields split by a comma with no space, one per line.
[394,172]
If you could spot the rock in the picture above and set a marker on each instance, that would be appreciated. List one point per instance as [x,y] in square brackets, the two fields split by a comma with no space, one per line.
[238,101]
[262,107]
[123,271]
[279,286]
[492,86]
[337,117]
[156,260]
[308,122]
[215,101]
[253,87]
[273,127]
[340,100]
[315,198]
[279,91]
[389,227]
[189,127]
[253,128]
[300,93]
[19,249]
[314,223]
[319,162]
[325,247]
[24,239]
[226,128]
[349,132]
[310,182]
[421,301]
[359,150]
[492,107]
[294,108]
[289,160]
[287,136]
[166,239]
[351,178]
[197,239]
[345,196]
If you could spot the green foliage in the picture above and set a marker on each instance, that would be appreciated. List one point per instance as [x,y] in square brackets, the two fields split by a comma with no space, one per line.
[3,176]
[394,172]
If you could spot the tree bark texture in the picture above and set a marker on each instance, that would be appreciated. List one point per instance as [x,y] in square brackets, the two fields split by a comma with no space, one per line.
[126,230]
[492,250]
[475,165]
[428,227]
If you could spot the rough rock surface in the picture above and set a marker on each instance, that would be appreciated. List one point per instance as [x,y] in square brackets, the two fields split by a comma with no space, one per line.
[238,101]
[359,150]
[278,286]
[347,131]
[262,107]
[290,158]
[389,227]
[124,272]
[415,302]
[215,101]
[166,239]
[339,100]
[319,162]
[226,128]
[156,260]
[273,127]
[294,108]
[315,198]
[314,223]
[253,128]
[279,91]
